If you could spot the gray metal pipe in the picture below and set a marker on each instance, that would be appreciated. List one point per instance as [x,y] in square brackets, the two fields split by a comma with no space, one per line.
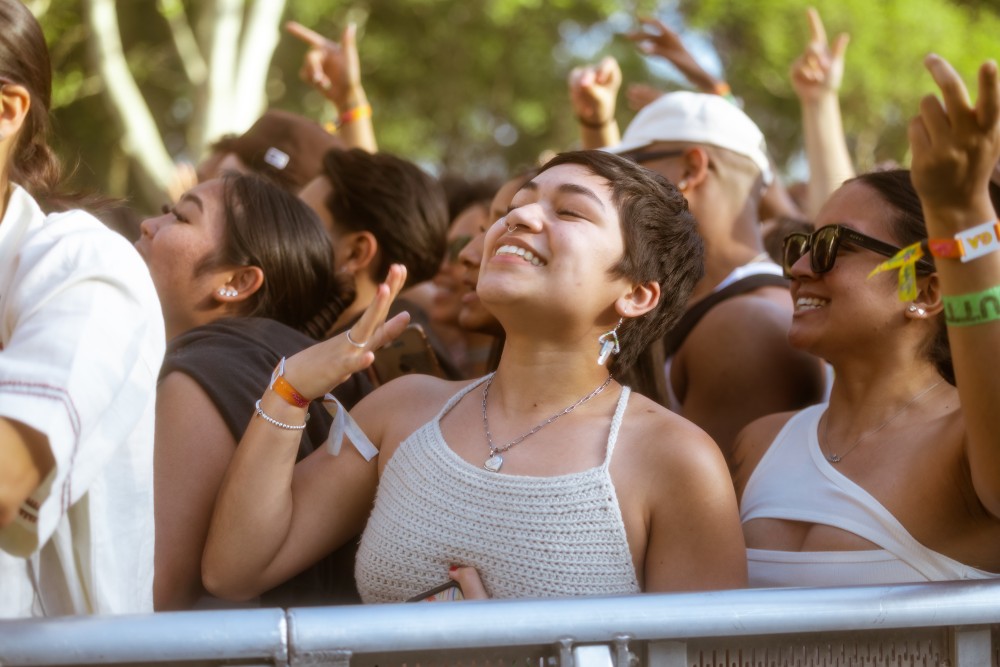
[428,626]
[247,634]
[272,637]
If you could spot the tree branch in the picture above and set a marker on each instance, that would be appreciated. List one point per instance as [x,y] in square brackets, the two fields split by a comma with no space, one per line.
[142,141]
[184,41]
[260,38]
[226,20]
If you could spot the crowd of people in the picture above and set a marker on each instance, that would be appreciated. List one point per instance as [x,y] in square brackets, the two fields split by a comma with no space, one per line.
[324,376]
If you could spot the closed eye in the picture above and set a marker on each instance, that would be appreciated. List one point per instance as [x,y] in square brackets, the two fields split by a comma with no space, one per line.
[167,208]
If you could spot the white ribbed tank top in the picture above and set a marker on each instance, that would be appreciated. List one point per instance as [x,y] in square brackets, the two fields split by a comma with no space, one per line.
[527,536]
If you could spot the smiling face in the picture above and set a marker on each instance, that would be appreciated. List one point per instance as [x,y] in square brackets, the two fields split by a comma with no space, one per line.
[178,247]
[566,237]
[473,315]
[840,308]
[449,281]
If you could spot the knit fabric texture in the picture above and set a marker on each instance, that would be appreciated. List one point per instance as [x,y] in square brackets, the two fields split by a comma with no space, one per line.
[527,536]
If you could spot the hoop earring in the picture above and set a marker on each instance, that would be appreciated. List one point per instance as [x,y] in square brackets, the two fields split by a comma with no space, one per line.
[609,344]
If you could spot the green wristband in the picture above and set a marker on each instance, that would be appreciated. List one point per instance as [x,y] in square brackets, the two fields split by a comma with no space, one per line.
[966,310]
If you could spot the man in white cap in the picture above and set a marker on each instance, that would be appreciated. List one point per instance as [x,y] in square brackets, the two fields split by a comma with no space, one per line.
[729,360]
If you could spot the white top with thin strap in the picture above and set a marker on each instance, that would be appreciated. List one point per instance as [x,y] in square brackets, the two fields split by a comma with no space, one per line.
[795,482]
[527,536]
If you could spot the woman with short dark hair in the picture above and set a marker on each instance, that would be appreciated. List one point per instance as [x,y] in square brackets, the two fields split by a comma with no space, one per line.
[545,478]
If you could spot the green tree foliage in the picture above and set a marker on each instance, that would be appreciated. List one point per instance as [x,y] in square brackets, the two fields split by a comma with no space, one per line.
[470,86]
[478,87]
[884,77]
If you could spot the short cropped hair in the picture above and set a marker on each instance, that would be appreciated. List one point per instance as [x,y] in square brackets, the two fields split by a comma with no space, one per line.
[661,242]
[399,204]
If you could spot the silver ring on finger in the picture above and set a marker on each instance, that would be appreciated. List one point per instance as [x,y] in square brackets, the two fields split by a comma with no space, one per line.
[355,343]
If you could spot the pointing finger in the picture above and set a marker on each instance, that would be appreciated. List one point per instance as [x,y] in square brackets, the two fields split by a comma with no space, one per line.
[953,90]
[988,103]
[817,33]
[840,45]
[303,33]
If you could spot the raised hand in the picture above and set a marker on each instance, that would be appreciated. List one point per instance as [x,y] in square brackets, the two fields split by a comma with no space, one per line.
[333,68]
[658,40]
[318,369]
[820,69]
[955,143]
[593,90]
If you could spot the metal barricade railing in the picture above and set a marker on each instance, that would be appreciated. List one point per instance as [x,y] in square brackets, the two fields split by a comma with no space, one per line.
[951,623]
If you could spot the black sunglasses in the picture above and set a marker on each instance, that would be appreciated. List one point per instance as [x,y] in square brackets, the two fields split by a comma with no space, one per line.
[824,243]
[639,157]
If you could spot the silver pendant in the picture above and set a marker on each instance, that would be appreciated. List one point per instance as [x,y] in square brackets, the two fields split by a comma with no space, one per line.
[833,458]
[493,463]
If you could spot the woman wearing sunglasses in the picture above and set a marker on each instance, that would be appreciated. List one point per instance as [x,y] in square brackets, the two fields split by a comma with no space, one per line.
[897,478]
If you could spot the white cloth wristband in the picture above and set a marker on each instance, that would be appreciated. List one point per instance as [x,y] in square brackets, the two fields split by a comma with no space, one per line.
[344,425]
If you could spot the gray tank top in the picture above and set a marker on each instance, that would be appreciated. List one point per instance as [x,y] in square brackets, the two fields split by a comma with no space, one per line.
[527,536]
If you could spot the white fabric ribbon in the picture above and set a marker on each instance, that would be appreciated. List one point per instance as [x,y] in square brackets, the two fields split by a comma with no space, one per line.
[344,425]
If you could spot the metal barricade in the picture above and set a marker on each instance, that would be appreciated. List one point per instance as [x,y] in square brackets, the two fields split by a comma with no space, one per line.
[950,623]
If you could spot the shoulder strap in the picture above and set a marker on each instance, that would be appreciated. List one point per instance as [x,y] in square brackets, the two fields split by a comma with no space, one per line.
[676,336]
[616,422]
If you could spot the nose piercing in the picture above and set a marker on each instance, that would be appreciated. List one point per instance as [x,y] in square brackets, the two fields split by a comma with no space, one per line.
[512,228]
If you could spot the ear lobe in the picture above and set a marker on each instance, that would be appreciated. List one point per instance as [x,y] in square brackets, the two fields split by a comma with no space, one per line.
[15,102]
[242,284]
[642,299]
[696,163]
[362,251]
[928,299]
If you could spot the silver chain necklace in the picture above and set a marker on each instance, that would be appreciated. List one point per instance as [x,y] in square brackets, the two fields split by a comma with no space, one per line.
[837,458]
[495,460]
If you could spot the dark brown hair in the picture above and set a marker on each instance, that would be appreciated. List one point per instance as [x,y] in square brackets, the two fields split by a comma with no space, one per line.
[908,226]
[24,60]
[274,230]
[661,242]
[393,199]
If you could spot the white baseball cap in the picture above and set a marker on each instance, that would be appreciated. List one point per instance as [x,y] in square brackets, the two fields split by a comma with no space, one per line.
[700,119]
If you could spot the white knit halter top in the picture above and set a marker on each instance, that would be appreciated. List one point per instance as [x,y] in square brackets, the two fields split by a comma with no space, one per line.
[527,536]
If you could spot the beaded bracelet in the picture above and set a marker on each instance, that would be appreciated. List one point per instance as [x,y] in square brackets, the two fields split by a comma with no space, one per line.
[966,310]
[274,422]
[282,387]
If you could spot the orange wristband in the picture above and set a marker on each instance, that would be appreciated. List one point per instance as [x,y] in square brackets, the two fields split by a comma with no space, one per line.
[353,114]
[968,244]
[282,387]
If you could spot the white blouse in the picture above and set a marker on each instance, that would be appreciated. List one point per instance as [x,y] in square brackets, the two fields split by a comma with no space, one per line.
[81,342]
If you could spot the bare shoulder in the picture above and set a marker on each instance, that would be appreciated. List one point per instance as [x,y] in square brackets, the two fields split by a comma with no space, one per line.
[760,312]
[666,448]
[397,408]
[752,443]
[750,332]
